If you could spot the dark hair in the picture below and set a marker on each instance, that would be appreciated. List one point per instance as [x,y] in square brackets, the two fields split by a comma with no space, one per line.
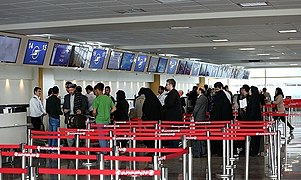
[202,90]
[55,90]
[120,95]
[99,86]
[264,89]
[246,87]
[107,87]
[194,88]
[226,87]
[162,88]
[79,89]
[67,83]
[218,85]
[70,86]
[172,82]
[89,87]
[49,91]
[279,92]
[36,89]
[206,86]
[254,91]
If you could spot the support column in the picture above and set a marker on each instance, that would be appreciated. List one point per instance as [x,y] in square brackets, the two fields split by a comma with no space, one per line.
[40,80]
[155,85]
[202,82]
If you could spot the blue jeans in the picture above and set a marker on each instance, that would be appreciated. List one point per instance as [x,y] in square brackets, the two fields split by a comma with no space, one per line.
[103,143]
[54,124]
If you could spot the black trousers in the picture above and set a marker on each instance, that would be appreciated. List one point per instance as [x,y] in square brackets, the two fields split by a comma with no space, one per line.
[282,118]
[36,122]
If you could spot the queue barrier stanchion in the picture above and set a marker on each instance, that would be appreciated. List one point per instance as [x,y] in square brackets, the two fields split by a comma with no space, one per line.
[88,141]
[278,155]
[184,144]
[209,155]
[111,152]
[156,166]
[59,152]
[23,161]
[29,142]
[116,151]
[164,173]
[100,159]
[76,153]
[32,172]
[0,163]
[134,153]
[190,165]
[247,153]
[159,141]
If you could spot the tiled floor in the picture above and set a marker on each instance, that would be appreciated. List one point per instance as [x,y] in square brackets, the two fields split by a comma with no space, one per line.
[258,168]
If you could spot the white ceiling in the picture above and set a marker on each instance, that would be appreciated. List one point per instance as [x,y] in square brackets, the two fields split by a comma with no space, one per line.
[144,25]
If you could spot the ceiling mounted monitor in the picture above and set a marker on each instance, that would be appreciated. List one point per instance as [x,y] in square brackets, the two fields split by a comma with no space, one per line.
[172,66]
[9,48]
[195,69]
[162,65]
[60,55]
[35,52]
[78,56]
[188,67]
[140,63]
[115,60]
[127,61]
[153,64]
[203,71]
[98,58]
[181,67]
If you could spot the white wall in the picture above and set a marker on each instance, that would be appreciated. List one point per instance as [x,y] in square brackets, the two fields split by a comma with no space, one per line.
[17,83]
[129,82]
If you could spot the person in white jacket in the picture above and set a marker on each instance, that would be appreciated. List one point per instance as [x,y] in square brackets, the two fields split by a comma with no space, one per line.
[36,109]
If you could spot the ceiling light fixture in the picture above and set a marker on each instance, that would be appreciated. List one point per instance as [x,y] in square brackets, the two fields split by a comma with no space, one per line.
[171,1]
[288,31]
[274,57]
[246,49]
[263,54]
[41,35]
[220,40]
[255,4]
[294,64]
[169,55]
[179,27]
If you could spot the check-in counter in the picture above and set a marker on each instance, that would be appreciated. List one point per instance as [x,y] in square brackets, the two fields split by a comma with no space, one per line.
[13,124]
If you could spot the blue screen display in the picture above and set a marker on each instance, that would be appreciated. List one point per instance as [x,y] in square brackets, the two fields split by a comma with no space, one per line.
[98,58]
[61,55]
[188,68]
[127,61]
[181,67]
[203,71]
[162,65]
[35,52]
[153,63]
[172,65]
[140,63]
[195,69]
[115,60]
[9,47]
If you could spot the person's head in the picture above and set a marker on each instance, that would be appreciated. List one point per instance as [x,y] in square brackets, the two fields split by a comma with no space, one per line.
[67,84]
[180,93]
[264,90]
[55,90]
[71,88]
[226,87]
[107,90]
[37,91]
[170,84]
[254,91]
[161,89]
[98,89]
[49,93]
[206,87]
[245,90]
[79,89]
[120,95]
[218,86]
[278,91]
[194,88]
[89,89]
[201,91]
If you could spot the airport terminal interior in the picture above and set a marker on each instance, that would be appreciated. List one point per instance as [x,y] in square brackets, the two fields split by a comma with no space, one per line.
[200,89]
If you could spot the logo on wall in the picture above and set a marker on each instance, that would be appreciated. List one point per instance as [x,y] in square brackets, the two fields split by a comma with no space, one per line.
[35,52]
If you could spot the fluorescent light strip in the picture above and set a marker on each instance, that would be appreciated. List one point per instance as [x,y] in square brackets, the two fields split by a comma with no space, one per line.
[294,64]
[169,55]
[179,27]
[256,4]
[288,31]
[220,40]
[274,57]
[246,49]
[263,54]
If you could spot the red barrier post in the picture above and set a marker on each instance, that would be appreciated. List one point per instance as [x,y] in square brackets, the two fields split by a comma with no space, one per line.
[100,159]
[116,151]
[156,166]
[184,144]
[208,154]
[247,157]
[23,160]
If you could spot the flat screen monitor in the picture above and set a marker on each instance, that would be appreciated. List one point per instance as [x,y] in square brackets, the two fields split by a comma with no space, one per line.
[188,67]
[153,63]
[140,63]
[234,73]
[162,65]
[246,74]
[172,65]
[214,71]
[203,71]
[127,61]
[229,73]
[78,56]
[98,58]
[181,67]
[35,52]
[115,60]
[195,69]
[60,55]
[9,47]
[240,74]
